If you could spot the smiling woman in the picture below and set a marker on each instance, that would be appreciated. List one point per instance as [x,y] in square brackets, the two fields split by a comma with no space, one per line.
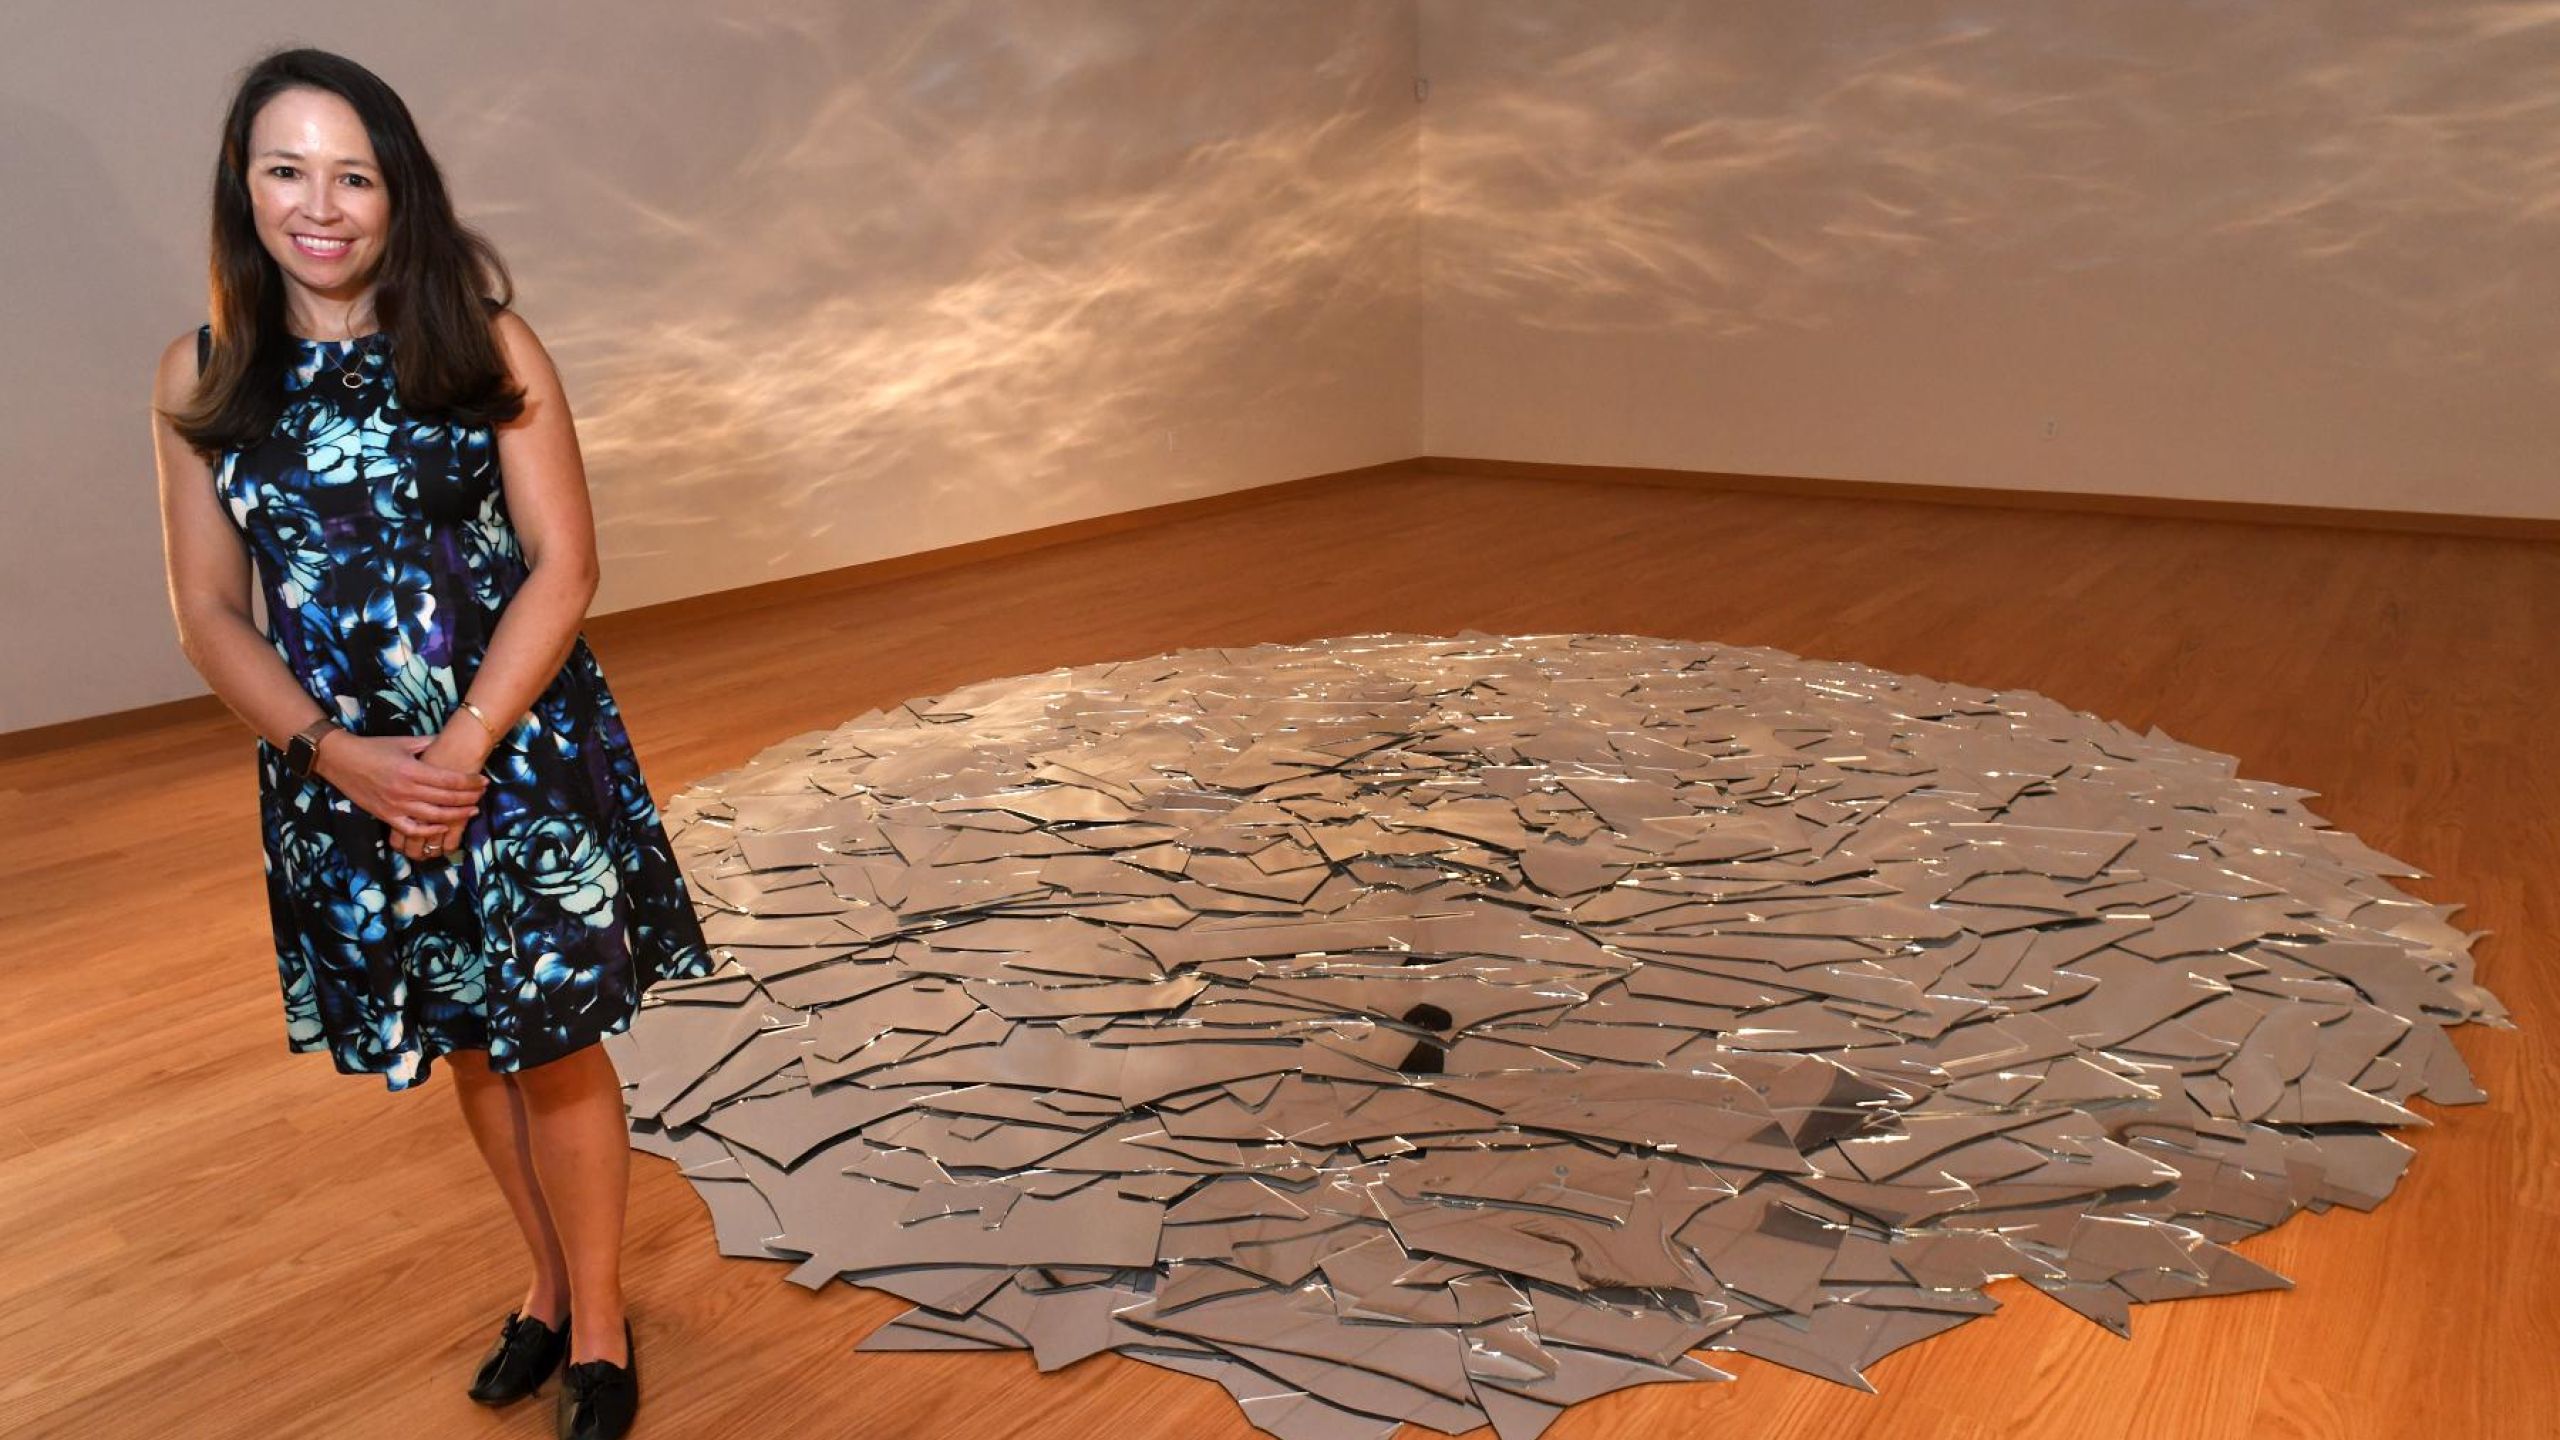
[330,210]
[463,860]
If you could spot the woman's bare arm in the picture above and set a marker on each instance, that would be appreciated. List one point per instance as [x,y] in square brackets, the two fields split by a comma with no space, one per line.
[209,575]
[546,488]
[415,796]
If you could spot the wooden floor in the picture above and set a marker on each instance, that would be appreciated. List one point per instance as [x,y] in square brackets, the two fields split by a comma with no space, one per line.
[203,1234]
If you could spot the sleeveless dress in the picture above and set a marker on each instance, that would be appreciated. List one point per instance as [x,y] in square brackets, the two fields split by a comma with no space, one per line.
[385,555]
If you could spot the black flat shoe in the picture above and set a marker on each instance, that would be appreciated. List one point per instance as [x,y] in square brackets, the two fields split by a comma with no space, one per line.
[525,1355]
[598,1398]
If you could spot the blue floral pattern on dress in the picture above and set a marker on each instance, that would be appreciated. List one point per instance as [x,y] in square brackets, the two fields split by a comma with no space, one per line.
[385,556]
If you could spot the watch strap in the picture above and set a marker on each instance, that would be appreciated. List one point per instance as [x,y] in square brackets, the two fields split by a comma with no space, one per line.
[305,746]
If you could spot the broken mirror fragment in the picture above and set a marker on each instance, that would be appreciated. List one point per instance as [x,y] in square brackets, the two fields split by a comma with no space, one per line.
[1453,1029]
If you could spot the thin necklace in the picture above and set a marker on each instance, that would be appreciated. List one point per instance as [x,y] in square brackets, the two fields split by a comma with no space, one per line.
[351,368]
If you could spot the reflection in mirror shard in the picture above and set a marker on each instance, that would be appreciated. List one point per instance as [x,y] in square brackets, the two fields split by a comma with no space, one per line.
[1452,1030]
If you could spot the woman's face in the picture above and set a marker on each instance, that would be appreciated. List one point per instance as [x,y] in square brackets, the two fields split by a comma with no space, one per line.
[321,208]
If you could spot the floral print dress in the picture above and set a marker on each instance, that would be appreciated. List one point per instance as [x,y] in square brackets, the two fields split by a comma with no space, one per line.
[385,557]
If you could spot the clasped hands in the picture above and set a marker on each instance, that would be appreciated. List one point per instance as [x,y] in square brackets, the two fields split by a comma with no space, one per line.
[425,788]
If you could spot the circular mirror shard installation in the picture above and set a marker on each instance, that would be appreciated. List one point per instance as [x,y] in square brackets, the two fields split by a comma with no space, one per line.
[1451,1029]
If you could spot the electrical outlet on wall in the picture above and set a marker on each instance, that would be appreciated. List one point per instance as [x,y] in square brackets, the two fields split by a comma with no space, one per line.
[2052,427]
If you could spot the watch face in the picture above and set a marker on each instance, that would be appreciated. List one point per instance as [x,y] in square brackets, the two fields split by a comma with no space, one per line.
[297,756]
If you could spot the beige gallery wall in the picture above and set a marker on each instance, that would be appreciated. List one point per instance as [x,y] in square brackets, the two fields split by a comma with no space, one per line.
[827,280]
[2291,251]
[833,280]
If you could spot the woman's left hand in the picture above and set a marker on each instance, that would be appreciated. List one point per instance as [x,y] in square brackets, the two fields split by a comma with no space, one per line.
[459,746]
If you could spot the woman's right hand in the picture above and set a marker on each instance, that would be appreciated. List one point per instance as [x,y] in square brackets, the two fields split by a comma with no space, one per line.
[383,774]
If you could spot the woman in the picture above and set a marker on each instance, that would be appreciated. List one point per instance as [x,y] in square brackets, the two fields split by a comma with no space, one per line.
[463,860]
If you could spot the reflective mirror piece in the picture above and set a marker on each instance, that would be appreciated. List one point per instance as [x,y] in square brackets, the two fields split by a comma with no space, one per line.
[1453,1029]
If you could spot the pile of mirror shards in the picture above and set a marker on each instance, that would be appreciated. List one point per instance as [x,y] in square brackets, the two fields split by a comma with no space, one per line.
[1450,1029]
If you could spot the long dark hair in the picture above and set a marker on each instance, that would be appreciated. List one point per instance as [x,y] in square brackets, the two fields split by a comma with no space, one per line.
[428,287]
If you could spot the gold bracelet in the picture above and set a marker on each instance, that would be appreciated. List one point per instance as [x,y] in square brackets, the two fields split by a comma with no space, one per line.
[483,719]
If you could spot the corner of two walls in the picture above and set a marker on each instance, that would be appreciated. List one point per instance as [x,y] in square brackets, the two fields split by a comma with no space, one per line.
[852,281]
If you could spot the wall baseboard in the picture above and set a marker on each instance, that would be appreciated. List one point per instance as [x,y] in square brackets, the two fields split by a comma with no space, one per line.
[714,604]
[2420,522]
[207,708]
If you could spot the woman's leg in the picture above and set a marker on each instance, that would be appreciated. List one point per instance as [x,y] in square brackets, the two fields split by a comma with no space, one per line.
[581,1143]
[496,1114]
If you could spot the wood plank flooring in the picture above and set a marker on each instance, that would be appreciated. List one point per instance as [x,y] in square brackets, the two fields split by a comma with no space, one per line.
[203,1234]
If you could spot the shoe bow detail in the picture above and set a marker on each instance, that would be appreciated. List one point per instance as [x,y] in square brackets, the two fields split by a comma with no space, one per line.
[598,1398]
[525,1352]
[587,1376]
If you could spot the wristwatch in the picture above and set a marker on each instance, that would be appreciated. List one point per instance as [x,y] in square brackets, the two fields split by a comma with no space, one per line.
[305,747]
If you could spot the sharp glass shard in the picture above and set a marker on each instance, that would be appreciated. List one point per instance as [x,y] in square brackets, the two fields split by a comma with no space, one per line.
[1400,1027]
